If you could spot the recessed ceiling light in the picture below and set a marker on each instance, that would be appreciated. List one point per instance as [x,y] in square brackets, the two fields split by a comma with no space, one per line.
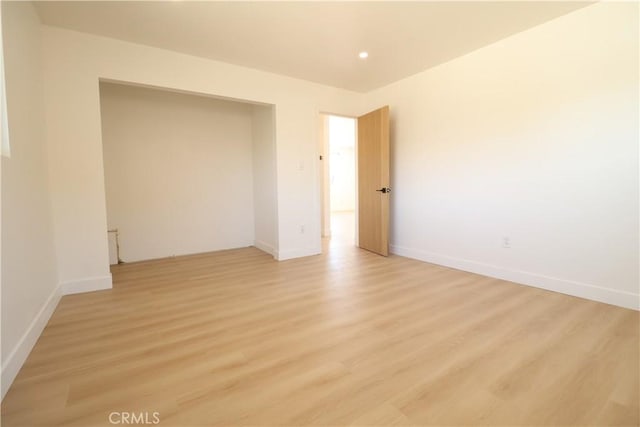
[363,55]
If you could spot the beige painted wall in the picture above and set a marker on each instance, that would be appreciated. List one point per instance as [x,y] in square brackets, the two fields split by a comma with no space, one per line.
[534,138]
[29,281]
[178,172]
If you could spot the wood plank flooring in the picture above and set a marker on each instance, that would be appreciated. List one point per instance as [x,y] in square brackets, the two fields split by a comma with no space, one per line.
[347,338]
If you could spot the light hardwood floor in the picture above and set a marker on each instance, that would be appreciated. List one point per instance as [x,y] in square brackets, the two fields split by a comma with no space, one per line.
[346,338]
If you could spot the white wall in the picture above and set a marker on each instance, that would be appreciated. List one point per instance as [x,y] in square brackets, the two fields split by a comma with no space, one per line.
[265,174]
[178,171]
[342,163]
[73,64]
[29,282]
[323,174]
[534,138]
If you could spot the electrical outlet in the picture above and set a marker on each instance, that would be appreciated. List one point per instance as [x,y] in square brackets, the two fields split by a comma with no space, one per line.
[506,242]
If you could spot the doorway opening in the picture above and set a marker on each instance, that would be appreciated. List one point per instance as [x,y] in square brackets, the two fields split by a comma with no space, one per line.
[339,179]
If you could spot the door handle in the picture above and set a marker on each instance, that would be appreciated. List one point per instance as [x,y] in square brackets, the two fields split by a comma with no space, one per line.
[384,190]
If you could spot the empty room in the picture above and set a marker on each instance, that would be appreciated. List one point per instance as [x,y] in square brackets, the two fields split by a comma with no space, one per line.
[320,213]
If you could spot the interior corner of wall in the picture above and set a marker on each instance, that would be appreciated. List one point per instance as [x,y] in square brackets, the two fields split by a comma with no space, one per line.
[88,284]
[18,355]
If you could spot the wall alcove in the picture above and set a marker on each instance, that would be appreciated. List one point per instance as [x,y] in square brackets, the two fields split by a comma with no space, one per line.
[186,173]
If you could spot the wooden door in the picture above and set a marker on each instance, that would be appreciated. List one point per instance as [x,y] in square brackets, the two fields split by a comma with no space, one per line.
[373,181]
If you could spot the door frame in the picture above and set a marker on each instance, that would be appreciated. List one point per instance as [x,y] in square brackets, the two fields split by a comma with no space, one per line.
[323,171]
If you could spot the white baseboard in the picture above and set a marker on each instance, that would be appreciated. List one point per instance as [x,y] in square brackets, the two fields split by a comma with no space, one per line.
[297,253]
[11,366]
[577,289]
[88,284]
[265,247]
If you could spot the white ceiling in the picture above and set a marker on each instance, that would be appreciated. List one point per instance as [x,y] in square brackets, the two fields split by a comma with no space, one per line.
[316,41]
